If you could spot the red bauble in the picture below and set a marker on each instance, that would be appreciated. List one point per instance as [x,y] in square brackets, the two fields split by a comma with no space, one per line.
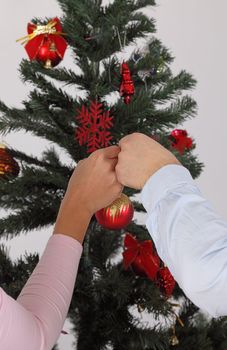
[127,88]
[165,281]
[48,54]
[117,215]
[181,141]
[141,256]
[8,165]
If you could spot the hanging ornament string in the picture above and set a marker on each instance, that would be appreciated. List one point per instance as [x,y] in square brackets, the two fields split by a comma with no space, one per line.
[49,28]
[116,32]
[119,38]
[173,339]
[109,73]
[145,83]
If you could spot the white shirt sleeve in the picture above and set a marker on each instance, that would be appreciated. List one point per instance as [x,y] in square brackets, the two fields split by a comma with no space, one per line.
[190,237]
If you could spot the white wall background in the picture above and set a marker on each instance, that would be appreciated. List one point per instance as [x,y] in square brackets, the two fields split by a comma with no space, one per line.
[195,31]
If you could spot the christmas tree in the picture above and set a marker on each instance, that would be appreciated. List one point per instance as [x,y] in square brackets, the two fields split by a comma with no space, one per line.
[121,95]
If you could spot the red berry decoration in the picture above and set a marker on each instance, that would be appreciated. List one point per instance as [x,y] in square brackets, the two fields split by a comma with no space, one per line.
[165,281]
[180,140]
[95,123]
[141,257]
[44,43]
[127,88]
[117,215]
[8,165]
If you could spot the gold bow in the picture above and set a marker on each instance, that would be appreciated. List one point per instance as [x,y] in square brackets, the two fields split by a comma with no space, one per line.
[49,28]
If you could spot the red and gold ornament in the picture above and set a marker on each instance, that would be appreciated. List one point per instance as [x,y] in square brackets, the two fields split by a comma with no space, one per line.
[8,165]
[117,215]
[45,43]
[141,257]
[127,88]
[180,140]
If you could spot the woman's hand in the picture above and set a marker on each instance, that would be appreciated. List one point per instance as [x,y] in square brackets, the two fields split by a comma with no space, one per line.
[92,186]
[94,180]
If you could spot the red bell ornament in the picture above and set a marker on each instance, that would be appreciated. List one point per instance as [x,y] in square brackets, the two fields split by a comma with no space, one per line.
[117,215]
[45,43]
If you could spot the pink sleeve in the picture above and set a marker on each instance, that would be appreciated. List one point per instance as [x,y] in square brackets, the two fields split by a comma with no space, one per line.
[36,319]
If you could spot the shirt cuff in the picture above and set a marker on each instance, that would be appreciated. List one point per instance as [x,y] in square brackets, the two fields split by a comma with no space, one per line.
[67,241]
[162,181]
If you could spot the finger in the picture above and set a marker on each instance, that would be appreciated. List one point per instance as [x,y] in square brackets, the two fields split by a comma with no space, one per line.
[113,162]
[119,175]
[81,161]
[124,140]
[111,152]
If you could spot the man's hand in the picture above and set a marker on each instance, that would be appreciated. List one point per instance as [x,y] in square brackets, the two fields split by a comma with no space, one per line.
[140,157]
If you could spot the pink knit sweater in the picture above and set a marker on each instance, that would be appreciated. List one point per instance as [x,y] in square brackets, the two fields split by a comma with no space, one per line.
[34,321]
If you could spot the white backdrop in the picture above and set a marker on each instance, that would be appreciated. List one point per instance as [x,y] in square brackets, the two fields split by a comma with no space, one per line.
[195,31]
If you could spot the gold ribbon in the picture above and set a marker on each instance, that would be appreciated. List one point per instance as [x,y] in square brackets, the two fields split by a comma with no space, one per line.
[49,28]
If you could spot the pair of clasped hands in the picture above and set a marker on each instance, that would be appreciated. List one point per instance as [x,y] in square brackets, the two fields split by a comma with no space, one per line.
[99,179]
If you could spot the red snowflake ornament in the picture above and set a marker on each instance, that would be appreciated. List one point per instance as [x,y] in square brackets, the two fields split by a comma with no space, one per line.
[95,123]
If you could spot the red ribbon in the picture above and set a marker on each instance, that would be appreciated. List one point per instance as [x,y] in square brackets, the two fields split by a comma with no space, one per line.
[142,255]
